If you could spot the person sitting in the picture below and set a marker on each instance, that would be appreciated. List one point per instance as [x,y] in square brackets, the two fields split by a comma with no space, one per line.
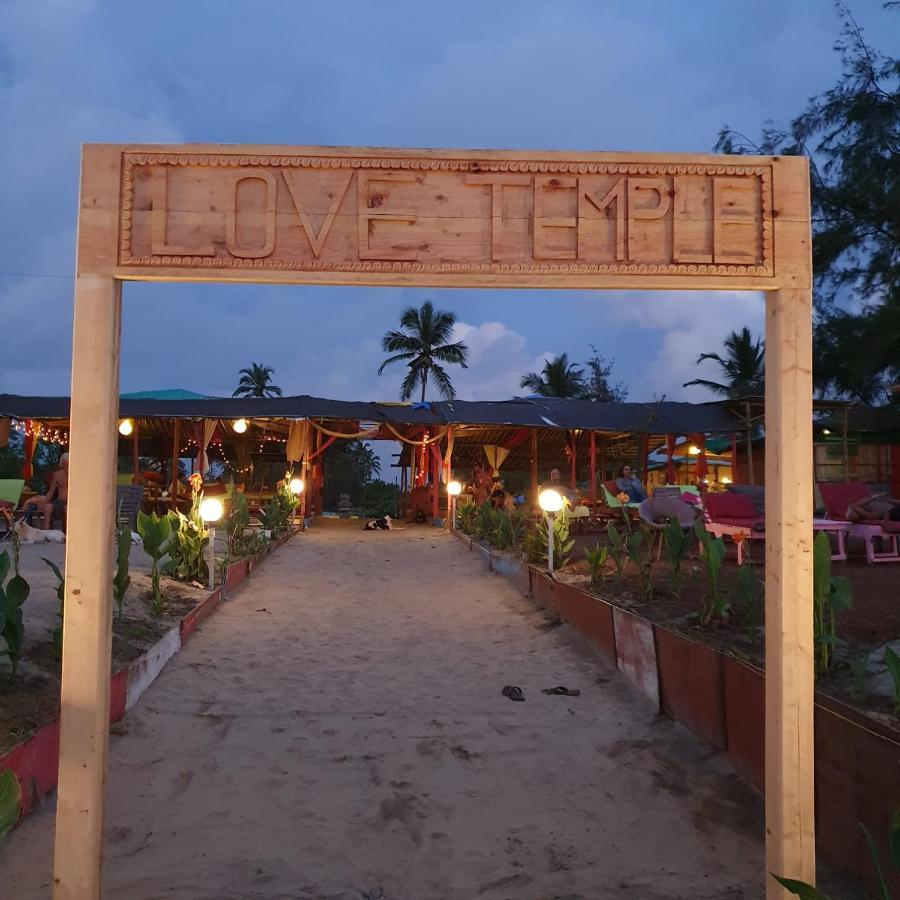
[497,493]
[556,484]
[628,483]
[878,507]
[54,501]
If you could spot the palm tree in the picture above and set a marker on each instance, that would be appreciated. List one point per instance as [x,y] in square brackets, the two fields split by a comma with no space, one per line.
[558,378]
[743,366]
[256,382]
[422,345]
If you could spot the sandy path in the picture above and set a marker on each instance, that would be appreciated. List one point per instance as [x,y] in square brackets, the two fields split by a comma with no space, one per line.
[337,731]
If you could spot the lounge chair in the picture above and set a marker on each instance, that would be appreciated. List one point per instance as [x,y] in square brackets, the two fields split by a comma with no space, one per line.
[10,494]
[838,497]
[656,511]
[728,513]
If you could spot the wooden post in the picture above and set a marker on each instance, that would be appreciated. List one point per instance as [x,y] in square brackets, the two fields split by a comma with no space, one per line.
[176,460]
[750,477]
[593,471]
[573,477]
[602,459]
[87,620]
[845,427]
[790,679]
[534,466]
[135,456]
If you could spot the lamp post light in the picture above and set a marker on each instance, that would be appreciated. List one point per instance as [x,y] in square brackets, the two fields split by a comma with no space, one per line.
[126,426]
[551,502]
[454,489]
[211,510]
[296,487]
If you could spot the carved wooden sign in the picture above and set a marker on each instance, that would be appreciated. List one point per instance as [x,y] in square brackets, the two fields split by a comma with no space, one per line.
[457,217]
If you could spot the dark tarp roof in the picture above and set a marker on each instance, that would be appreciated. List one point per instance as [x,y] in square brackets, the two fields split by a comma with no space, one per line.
[538,412]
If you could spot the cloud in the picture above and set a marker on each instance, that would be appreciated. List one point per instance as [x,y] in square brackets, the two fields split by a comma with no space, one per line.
[689,323]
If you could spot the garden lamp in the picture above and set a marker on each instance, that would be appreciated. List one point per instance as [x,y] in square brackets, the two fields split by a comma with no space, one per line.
[211,510]
[296,488]
[454,489]
[126,426]
[551,502]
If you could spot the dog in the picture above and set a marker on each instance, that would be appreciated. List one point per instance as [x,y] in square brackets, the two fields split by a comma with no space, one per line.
[383,524]
[29,535]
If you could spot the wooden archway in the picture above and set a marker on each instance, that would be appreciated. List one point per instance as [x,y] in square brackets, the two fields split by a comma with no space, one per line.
[363,216]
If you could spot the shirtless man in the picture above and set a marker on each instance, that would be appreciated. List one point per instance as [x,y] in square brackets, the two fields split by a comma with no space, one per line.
[874,508]
[57,495]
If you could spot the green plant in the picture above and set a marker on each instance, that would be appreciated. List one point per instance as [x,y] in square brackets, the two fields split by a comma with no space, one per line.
[715,601]
[271,517]
[676,541]
[639,549]
[596,560]
[537,541]
[466,517]
[892,661]
[808,892]
[121,580]
[10,801]
[745,594]
[189,537]
[155,532]
[237,525]
[500,535]
[831,594]
[12,622]
[617,548]
[56,635]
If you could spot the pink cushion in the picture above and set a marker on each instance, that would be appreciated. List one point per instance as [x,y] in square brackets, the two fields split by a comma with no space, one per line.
[729,505]
[837,497]
[756,522]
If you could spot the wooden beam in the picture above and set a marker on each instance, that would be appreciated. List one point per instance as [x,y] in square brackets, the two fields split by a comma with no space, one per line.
[87,620]
[593,470]
[534,466]
[573,475]
[176,455]
[790,679]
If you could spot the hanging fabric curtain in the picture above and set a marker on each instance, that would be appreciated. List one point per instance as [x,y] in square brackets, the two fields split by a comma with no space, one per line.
[204,430]
[671,475]
[299,440]
[496,456]
[32,432]
[406,440]
[702,468]
[4,432]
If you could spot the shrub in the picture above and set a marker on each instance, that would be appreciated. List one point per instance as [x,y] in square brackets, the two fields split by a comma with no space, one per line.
[596,560]
[10,801]
[155,532]
[537,540]
[189,537]
[892,661]
[715,601]
[12,622]
[831,594]
[677,542]
[122,580]
[56,635]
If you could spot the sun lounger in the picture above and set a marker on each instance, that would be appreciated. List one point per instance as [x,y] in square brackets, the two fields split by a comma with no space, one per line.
[838,497]
[734,515]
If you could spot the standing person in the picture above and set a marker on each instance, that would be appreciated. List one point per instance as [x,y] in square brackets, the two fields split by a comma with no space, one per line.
[481,485]
[628,483]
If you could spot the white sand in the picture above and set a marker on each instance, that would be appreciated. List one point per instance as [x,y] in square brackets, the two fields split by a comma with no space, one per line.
[337,731]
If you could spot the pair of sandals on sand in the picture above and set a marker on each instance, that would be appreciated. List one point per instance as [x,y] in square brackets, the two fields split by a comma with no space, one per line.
[518,695]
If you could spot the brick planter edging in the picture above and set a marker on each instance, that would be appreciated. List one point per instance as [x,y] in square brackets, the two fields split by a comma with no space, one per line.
[35,760]
[722,699]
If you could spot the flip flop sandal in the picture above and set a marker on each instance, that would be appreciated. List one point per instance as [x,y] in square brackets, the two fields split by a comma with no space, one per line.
[514,693]
[562,691]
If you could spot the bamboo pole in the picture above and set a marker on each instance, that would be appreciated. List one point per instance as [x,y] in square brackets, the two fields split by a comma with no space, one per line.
[845,442]
[750,476]
[534,466]
[87,618]
[135,455]
[790,680]
[593,470]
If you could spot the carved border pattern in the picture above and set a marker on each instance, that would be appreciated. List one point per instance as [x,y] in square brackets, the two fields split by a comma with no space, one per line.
[132,160]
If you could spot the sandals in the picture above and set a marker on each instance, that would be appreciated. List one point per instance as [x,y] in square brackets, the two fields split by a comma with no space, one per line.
[514,693]
[562,691]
